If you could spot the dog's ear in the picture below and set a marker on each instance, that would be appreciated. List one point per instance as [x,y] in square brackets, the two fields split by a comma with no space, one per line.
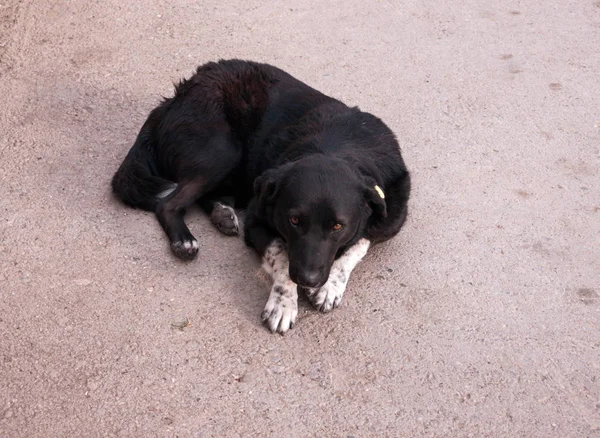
[375,197]
[265,189]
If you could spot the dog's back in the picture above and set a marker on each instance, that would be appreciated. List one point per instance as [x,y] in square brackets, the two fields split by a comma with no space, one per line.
[252,107]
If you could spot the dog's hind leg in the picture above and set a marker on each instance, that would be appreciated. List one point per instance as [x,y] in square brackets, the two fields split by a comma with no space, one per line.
[201,172]
[170,212]
[137,182]
[221,213]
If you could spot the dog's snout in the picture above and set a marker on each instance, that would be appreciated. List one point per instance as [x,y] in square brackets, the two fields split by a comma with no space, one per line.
[309,265]
[309,278]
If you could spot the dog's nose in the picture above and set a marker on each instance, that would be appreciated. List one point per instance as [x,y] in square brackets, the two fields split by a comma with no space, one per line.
[309,278]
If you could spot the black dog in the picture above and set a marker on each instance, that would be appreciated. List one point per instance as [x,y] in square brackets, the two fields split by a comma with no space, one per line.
[321,181]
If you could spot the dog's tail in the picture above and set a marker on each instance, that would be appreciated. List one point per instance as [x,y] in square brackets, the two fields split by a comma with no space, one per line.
[137,182]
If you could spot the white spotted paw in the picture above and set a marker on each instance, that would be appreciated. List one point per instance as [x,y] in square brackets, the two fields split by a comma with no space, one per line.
[281,309]
[329,296]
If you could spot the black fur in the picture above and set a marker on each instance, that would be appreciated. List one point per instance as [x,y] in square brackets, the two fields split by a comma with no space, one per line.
[254,133]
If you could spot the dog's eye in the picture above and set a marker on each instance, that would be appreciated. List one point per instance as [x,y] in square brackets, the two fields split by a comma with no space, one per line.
[337,227]
[294,220]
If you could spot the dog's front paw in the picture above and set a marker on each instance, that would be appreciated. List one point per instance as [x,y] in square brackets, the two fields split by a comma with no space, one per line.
[329,296]
[282,308]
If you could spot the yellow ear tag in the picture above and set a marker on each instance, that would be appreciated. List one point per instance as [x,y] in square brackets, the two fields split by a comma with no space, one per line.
[379,192]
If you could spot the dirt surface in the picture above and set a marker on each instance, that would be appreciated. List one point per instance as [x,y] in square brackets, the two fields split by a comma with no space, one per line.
[482,318]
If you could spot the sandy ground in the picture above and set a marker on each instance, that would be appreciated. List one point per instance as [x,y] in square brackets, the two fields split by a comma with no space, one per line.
[482,318]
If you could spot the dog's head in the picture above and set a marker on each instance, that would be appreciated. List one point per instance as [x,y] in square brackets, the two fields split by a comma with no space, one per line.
[319,205]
